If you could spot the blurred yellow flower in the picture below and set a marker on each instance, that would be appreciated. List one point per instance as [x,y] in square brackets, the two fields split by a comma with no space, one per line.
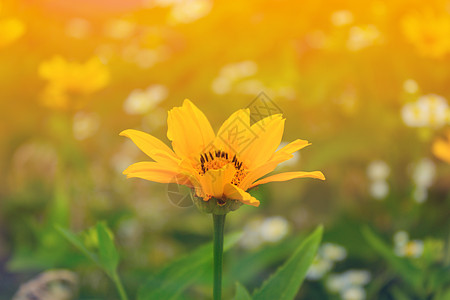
[223,166]
[71,78]
[10,30]
[441,148]
[429,32]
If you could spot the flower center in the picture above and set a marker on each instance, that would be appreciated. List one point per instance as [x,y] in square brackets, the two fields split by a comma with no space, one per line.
[214,160]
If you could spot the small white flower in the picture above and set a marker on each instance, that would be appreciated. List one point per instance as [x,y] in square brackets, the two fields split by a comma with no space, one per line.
[401,238]
[333,252]
[154,120]
[124,157]
[231,73]
[251,238]
[142,101]
[358,277]
[85,125]
[190,10]
[221,85]
[239,70]
[347,281]
[420,194]
[336,283]
[424,173]
[378,170]
[361,37]
[405,247]
[354,293]
[274,229]
[250,87]
[414,116]
[435,107]
[414,248]
[410,86]
[319,268]
[379,189]
[429,110]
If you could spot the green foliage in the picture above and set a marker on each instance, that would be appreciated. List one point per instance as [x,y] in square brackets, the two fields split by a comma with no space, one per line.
[404,267]
[250,264]
[109,257]
[241,293]
[49,250]
[427,276]
[286,282]
[77,242]
[178,275]
[399,294]
[106,257]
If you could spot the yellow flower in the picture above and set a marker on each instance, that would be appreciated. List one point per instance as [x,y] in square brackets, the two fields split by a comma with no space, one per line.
[429,32]
[71,78]
[10,30]
[222,166]
[441,148]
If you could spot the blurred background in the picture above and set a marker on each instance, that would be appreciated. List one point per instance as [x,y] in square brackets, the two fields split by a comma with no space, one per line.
[367,82]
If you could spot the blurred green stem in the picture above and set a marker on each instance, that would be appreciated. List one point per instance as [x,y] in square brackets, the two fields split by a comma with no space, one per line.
[120,289]
[219,223]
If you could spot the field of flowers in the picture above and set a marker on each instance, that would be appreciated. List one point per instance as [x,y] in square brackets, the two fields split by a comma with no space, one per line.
[366,82]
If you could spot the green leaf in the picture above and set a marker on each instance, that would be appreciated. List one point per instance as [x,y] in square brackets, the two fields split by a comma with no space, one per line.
[178,275]
[285,283]
[399,294]
[75,240]
[443,294]
[241,293]
[405,268]
[109,257]
[250,264]
[59,209]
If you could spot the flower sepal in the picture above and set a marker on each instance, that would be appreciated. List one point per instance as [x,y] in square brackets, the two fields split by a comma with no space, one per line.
[216,206]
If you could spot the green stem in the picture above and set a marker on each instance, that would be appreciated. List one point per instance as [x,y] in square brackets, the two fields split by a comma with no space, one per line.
[119,286]
[219,223]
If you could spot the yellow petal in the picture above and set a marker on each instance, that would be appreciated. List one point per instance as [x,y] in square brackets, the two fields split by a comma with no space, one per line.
[294,146]
[189,130]
[233,192]
[10,30]
[289,148]
[213,181]
[152,171]
[151,146]
[441,150]
[269,133]
[234,134]
[264,169]
[290,175]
